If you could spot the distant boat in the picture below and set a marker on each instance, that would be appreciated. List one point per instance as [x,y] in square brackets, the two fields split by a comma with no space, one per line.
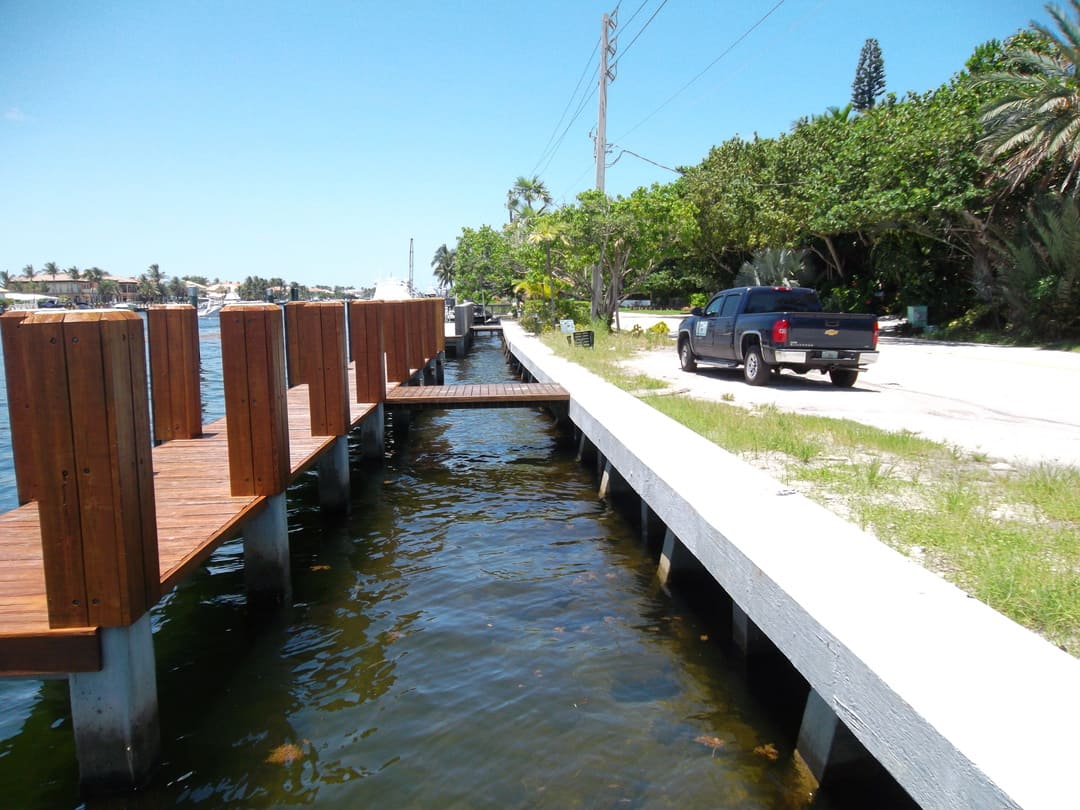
[208,307]
[393,289]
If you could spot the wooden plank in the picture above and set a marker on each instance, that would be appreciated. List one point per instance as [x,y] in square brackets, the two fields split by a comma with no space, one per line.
[21,415]
[54,652]
[489,395]
[61,534]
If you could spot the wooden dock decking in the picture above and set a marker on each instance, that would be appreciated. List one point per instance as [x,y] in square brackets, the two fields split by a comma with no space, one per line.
[497,395]
[195,514]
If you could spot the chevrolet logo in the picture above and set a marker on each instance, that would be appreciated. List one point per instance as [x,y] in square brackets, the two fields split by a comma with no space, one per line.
[832,332]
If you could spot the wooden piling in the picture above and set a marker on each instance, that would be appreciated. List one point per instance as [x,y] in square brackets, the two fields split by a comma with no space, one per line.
[17,361]
[367,347]
[294,356]
[174,371]
[322,334]
[91,453]
[253,370]
[396,339]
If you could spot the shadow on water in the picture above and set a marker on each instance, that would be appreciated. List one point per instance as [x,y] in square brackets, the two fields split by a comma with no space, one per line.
[479,631]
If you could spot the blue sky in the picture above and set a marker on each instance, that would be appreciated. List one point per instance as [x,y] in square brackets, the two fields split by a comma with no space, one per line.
[312,140]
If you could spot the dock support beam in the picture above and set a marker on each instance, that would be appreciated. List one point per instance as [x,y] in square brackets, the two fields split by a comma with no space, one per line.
[266,554]
[373,433]
[115,712]
[333,470]
[825,743]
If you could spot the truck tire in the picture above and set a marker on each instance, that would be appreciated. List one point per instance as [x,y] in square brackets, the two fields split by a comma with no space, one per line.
[755,370]
[686,356]
[843,377]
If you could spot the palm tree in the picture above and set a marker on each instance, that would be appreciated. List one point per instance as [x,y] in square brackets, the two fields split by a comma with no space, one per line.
[154,277]
[73,273]
[547,233]
[1036,118]
[28,274]
[107,289]
[522,195]
[443,262]
[94,275]
[5,279]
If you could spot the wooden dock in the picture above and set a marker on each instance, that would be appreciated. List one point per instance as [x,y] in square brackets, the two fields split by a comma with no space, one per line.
[196,514]
[501,395]
[196,503]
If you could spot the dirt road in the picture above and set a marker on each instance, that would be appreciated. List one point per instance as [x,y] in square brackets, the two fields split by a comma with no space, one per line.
[1014,404]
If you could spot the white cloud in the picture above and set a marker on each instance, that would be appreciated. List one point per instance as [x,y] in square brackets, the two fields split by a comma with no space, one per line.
[14,114]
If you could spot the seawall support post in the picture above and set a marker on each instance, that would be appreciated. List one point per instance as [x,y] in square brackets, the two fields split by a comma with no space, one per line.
[825,744]
[675,559]
[326,368]
[256,411]
[115,712]
[612,484]
[747,636]
[173,330]
[652,527]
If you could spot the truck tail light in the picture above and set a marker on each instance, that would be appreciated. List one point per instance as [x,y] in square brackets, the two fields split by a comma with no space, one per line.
[780,331]
[876,328]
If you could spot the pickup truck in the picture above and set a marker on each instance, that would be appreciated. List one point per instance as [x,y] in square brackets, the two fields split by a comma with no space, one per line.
[766,329]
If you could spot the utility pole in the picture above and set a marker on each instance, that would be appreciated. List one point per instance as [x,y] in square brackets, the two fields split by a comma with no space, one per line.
[608,23]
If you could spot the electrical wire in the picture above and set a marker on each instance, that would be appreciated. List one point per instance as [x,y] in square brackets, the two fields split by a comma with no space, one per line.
[638,34]
[569,102]
[708,67]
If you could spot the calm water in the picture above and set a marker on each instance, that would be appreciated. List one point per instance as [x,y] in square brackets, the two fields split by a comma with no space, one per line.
[480,632]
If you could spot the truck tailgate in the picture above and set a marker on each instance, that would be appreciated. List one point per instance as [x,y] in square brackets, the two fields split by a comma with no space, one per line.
[827,330]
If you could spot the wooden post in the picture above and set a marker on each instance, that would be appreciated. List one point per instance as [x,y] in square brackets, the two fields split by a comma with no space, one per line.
[257,419]
[174,371]
[17,361]
[396,342]
[322,334]
[91,449]
[367,324]
[256,413]
[438,308]
[366,320]
[294,357]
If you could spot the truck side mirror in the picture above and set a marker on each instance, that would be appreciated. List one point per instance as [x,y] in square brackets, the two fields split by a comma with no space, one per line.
[696,312]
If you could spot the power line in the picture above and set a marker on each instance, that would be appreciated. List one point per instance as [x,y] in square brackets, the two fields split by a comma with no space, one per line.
[569,102]
[639,33]
[624,151]
[708,67]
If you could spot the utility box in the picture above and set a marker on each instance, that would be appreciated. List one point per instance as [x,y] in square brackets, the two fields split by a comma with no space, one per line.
[916,316]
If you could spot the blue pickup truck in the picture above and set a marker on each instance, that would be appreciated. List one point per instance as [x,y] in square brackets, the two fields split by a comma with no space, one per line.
[766,329]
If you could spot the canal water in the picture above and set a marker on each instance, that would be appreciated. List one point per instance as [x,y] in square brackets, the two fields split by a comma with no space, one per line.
[480,632]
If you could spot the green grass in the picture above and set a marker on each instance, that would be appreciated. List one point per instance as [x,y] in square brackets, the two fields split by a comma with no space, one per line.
[1008,537]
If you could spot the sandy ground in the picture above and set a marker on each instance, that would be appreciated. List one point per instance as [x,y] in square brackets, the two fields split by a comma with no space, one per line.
[1015,404]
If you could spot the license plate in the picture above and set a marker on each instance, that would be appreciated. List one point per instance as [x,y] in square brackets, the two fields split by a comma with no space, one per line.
[829,355]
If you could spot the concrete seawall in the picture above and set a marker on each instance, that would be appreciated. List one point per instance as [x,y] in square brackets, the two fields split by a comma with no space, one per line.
[962,706]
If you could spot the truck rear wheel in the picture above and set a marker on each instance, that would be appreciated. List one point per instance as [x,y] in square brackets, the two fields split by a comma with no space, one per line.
[755,370]
[843,377]
[686,356]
